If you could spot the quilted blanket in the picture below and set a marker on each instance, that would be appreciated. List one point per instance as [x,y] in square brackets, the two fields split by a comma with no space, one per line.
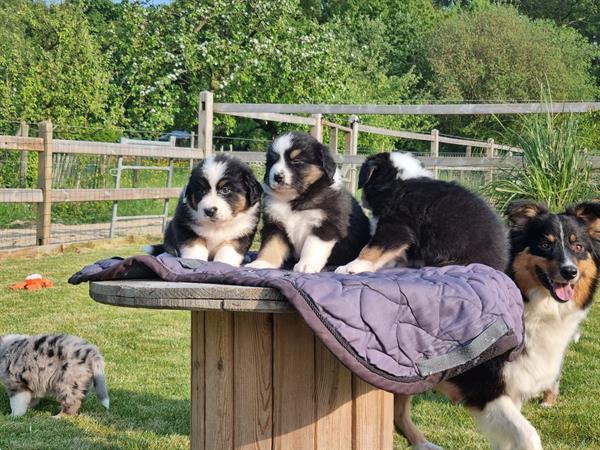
[402,330]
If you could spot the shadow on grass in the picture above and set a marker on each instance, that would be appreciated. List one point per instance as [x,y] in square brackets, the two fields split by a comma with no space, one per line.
[129,412]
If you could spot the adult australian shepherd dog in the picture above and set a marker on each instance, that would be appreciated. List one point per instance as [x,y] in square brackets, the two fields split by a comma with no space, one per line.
[309,218]
[554,261]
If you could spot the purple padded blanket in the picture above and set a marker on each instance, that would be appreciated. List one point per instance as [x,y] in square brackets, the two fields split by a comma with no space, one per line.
[402,330]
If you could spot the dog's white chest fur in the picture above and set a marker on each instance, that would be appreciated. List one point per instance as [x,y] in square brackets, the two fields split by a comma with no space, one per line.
[217,233]
[549,327]
[298,224]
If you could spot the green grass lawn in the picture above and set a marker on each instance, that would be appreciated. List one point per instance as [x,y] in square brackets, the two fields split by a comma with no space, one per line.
[147,359]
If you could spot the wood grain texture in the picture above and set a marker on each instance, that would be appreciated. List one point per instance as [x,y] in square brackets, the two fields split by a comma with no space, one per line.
[188,296]
[432,109]
[294,384]
[197,382]
[333,428]
[253,381]
[219,371]
[372,417]
[21,196]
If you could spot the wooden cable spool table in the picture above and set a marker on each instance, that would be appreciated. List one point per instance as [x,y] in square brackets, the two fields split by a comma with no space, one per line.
[259,377]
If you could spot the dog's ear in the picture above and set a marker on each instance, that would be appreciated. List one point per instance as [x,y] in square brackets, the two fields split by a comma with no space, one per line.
[187,196]
[521,212]
[327,162]
[369,167]
[253,187]
[589,214]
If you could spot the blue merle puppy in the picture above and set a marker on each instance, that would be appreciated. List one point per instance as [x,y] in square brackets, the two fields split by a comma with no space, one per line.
[32,367]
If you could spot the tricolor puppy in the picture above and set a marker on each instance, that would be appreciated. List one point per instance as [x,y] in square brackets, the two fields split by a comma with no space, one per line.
[554,261]
[419,221]
[308,216]
[217,213]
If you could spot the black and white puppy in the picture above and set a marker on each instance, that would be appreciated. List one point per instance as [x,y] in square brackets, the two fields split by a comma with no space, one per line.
[419,221]
[309,218]
[217,213]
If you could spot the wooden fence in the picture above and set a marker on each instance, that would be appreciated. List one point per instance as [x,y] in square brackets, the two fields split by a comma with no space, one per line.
[495,156]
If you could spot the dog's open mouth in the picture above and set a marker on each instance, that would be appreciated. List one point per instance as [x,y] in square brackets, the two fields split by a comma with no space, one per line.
[562,292]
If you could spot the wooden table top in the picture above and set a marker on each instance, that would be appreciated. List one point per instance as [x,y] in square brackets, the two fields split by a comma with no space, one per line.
[188,296]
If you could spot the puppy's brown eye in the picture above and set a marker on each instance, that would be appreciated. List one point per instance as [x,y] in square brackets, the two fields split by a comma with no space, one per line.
[578,247]
[545,246]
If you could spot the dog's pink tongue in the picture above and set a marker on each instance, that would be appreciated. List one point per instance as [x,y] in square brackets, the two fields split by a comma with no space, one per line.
[564,291]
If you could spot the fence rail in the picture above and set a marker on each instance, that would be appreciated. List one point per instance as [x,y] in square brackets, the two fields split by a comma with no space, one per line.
[345,136]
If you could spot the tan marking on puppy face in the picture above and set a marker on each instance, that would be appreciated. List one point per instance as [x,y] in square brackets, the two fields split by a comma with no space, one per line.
[240,204]
[551,237]
[379,257]
[295,153]
[525,275]
[221,183]
[572,238]
[588,272]
[274,251]
[310,174]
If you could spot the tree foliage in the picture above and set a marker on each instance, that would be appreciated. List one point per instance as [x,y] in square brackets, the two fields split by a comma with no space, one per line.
[496,55]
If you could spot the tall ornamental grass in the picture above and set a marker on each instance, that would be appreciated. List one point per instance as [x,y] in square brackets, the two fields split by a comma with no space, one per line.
[556,170]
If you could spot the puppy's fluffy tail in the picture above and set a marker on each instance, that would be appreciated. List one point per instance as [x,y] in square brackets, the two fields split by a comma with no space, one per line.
[100,382]
[154,250]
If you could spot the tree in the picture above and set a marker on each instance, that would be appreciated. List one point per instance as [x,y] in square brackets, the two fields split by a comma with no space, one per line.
[494,54]
[52,67]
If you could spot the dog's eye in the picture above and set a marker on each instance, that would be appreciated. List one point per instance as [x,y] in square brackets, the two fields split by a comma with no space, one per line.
[545,245]
[577,247]
[296,162]
[225,190]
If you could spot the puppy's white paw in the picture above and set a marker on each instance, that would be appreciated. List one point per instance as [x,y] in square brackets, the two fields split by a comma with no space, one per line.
[307,267]
[576,336]
[426,446]
[547,405]
[356,266]
[260,264]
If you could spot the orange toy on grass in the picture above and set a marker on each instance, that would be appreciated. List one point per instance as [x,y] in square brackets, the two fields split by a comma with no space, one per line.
[32,283]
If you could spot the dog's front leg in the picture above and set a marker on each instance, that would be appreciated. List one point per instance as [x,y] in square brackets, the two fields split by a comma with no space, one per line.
[388,244]
[229,254]
[314,255]
[195,250]
[274,249]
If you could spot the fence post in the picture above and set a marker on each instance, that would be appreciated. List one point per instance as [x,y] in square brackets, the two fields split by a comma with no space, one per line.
[316,130]
[351,148]
[333,139]
[205,124]
[489,153]
[44,209]
[24,157]
[435,149]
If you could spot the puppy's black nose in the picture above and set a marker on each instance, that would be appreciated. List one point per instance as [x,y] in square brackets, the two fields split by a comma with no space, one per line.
[568,272]
[278,177]
[210,212]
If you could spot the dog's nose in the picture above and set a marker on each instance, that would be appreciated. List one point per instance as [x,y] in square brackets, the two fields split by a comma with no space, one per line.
[568,272]
[210,212]
[278,177]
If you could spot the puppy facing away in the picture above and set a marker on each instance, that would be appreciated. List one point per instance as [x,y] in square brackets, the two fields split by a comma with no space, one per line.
[217,213]
[32,367]
[419,221]
[309,218]
[554,260]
